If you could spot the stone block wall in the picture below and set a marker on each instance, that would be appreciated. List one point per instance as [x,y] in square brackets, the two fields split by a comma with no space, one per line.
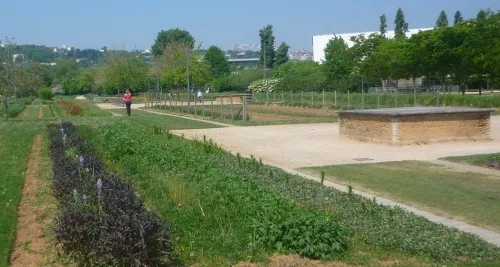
[415,129]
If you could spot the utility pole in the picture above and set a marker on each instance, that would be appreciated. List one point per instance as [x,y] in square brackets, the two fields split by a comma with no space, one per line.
[187,74]
[265,70]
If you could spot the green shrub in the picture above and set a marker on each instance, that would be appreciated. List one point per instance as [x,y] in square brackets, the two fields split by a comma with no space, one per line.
[28,100]
[14,108]
[45,93]
[313,235]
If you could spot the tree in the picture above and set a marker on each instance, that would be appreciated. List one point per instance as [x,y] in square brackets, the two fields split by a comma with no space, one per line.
[383,25]
[482,46]
[300,75]
[442,20]
[481,15]
[217,62]
[266,44]
[170,36]
[338,63]
[282,54]
[64,68]
[401,25]
[458,18]
[172,66]
[363,49]
[123,71]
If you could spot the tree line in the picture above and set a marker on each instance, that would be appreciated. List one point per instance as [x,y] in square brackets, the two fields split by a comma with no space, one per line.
[466,53]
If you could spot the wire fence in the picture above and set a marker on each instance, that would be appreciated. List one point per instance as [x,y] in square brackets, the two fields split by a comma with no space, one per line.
[219,107]
[371,100]
[236,107]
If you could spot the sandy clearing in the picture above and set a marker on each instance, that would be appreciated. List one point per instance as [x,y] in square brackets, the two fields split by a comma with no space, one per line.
[305,145]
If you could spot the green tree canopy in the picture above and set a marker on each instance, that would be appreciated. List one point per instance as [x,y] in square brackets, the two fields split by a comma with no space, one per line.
[267,45]
[458,18]
[300,75]
[282,54]
[217,62]
[170,36]
[172,66]
[481,15]
[401,26]
[442,20]
[383,24]
[64,68]
[83,82]
[338,63]
[125,71]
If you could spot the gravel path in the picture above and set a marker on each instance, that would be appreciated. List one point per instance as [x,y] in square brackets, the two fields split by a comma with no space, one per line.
[306,145]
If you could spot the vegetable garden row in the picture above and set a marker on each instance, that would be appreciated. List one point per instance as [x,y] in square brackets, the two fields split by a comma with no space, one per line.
[216,208]
[102,220]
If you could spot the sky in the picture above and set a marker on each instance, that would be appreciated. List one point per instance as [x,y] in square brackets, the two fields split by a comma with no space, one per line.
[131,25]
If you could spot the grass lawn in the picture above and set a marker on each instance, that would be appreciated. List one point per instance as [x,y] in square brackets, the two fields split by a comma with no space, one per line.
[47,111]
[30,112]
[91,109]
[16,138]
[478,160]
[472,197]
[258,114]
[144,118]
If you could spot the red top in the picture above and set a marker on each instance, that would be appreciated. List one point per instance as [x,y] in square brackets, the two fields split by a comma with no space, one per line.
[127,97]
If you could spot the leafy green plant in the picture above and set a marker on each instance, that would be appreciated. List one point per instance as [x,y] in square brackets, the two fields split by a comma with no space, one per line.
[45,94]
[227,204]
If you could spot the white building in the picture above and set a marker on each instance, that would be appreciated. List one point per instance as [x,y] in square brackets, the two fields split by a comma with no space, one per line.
[319,42]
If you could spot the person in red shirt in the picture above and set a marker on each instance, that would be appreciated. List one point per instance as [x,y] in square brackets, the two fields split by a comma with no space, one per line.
[127,97]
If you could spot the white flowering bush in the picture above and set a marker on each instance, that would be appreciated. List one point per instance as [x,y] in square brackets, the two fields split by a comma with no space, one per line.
[263,86]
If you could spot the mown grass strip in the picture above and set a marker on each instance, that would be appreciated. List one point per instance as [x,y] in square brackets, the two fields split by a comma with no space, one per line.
[477,160]
[144,118]
[469,196]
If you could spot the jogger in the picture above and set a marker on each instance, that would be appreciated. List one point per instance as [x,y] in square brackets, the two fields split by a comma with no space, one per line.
[127,97]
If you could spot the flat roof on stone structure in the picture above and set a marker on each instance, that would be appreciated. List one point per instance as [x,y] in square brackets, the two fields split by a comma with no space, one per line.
[415,111]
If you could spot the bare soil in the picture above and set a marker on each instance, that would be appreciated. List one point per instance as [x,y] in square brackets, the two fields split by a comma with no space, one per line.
[30,238]
[259,117]
[292,261]
[40,112]
[287,109]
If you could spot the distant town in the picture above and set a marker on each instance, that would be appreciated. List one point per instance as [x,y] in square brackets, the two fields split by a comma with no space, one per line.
[240,55]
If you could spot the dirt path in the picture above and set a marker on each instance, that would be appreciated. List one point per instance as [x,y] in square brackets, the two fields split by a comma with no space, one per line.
[113,106]
[40,112]
[30,242]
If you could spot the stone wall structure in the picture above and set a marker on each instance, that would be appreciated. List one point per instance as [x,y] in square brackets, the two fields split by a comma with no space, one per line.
[416,125]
